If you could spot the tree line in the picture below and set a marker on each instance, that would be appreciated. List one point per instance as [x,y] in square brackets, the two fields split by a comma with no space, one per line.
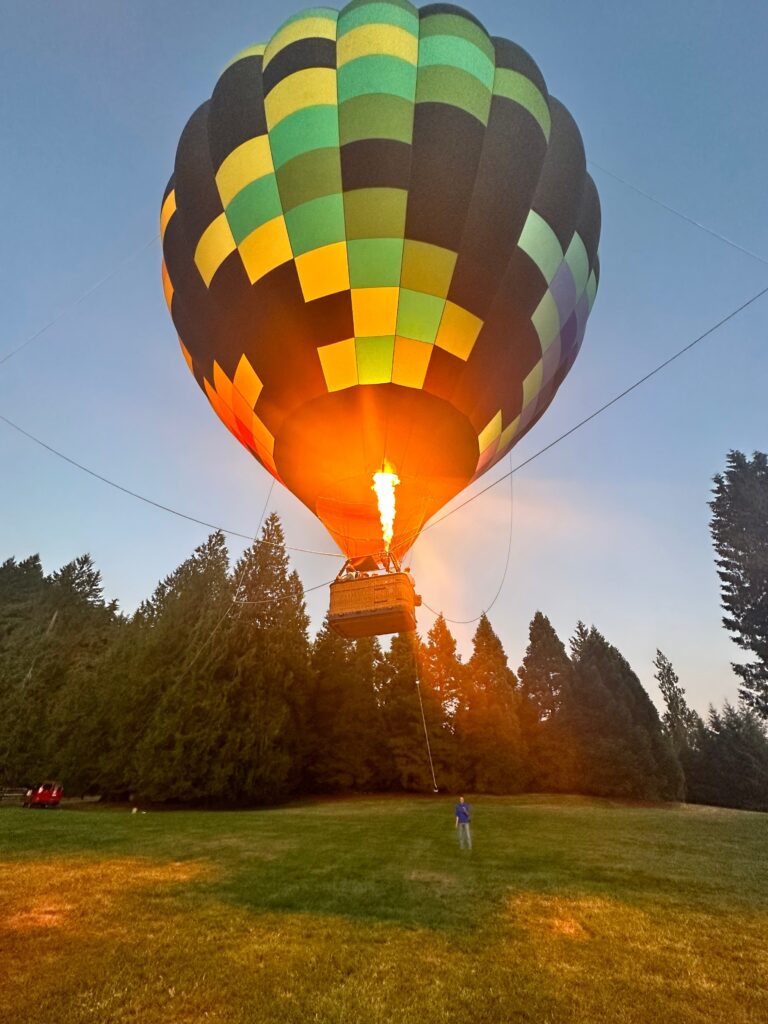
[214,691]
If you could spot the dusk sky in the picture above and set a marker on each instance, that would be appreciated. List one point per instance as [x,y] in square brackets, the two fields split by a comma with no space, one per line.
[611,526]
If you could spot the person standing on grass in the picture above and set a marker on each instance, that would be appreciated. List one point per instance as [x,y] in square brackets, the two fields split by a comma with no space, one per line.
[463,819]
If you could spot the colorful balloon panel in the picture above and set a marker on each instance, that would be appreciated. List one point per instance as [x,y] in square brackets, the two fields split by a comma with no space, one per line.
[380,246]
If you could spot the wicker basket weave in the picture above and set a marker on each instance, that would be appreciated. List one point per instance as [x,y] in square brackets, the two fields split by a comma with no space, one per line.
[371,605]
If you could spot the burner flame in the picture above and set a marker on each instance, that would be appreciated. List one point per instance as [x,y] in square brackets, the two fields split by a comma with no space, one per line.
[384,484]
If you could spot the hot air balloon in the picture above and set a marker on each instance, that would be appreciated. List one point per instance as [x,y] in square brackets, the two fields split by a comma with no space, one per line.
[380,254]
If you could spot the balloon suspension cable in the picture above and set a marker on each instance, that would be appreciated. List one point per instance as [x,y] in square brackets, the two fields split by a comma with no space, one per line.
[150,501]
[423,716]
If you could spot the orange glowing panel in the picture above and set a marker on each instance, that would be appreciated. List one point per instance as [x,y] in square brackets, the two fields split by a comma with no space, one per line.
[411,362]
[240,407]
[221,409]
[261,435]
[222,383]
[247,381]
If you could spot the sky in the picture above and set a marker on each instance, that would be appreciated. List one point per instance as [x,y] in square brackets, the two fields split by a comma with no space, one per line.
[610,526]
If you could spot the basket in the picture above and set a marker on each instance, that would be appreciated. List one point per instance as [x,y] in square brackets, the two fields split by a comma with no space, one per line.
[371,605]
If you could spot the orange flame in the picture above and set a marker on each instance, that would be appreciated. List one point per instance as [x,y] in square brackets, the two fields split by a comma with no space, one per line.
[384,484]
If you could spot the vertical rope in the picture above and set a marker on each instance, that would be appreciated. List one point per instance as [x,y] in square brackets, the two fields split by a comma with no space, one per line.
[423,716]
[426,737]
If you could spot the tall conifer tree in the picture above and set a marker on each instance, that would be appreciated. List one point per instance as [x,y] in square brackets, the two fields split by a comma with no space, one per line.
[180,711]
[25,620]
[545,681]
[739,527]
[53,630]
[346,746]
[680,722]
[494,758]
[728,763]
[614,729]
[399,698]
[269,684]
[442,682]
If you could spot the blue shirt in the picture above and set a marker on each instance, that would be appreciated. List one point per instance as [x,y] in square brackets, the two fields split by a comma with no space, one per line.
[462,813]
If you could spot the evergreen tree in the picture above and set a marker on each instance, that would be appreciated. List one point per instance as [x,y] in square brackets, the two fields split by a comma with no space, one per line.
[680,722]
[729,761]
[127,705]
[616,743]
[494,759]
[54,629]
[441,676]
[81,580]
[441,667]
[739,528]
[346,748]
[214,696]
[25,624]
[268,690]
[578,640]
[22,590]
[683,726]
[180,715]
[85,625]
[545,680]
[399,691]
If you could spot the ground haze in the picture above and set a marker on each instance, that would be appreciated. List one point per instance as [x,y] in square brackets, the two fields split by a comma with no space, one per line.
[364,910]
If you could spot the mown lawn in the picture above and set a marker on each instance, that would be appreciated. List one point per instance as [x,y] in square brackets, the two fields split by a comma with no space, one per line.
[360,911]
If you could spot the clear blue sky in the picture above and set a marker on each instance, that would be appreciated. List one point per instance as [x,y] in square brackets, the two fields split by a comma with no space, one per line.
[610,527]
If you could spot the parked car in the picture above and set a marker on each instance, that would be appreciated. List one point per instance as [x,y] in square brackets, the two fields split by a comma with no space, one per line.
[47,794]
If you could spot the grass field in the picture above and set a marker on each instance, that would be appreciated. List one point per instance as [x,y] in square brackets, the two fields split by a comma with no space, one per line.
[567,910]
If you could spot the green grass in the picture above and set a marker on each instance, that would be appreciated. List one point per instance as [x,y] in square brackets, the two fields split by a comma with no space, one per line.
[364,911]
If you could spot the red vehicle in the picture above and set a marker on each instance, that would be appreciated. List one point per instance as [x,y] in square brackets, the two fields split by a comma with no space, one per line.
[47,794]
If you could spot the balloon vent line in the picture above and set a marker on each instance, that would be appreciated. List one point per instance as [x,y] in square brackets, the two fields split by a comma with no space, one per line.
[678,213]
[81,298]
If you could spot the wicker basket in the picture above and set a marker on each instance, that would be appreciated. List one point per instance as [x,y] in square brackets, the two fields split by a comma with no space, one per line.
[371,605]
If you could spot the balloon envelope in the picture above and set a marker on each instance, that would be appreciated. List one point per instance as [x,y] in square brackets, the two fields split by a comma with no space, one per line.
[380,248]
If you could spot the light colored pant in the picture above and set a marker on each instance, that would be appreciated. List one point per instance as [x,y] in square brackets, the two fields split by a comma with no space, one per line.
[465,836]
